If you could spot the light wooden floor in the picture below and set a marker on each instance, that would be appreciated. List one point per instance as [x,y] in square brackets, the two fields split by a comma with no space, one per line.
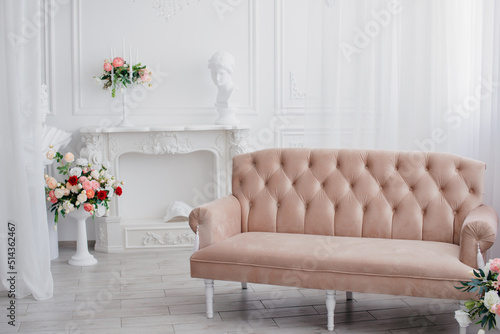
[152,292]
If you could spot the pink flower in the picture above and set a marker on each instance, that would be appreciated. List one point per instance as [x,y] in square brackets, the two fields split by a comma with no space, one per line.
[107,67]
[87,185]
[51,193]
[82,179]
[51,182]
[69,157]
[118,62]
[90,194]
[495,309]
[88,207]
[95,184]
[50,154]
[145,75]
[53,200]
[495,265]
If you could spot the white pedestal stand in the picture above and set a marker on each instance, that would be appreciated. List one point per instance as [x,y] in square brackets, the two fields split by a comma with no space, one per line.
[82,256]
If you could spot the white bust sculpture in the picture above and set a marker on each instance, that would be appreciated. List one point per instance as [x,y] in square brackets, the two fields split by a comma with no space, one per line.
[221,66]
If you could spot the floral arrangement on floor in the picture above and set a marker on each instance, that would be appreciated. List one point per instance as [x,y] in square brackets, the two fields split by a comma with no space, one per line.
[118,73]
[85,185]
[486,282]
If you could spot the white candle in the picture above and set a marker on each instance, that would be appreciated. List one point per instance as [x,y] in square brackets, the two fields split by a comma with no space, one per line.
[130,63]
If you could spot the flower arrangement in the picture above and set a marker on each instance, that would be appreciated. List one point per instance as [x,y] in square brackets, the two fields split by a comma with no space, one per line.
[85,185]
[486,282]
[118,72]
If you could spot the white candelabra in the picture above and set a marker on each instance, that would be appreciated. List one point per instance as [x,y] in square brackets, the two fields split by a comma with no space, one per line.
[124,122]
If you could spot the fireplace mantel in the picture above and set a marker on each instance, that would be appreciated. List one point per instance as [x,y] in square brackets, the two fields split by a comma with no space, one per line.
[115,233]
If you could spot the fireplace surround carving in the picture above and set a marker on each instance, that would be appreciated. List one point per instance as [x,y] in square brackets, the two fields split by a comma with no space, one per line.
[115,233]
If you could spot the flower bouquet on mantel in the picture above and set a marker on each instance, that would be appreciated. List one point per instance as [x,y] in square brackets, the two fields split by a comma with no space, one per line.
[87,186]
[118,72]
[486,282]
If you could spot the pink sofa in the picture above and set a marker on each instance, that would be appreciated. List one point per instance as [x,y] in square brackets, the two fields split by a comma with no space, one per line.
[400,223]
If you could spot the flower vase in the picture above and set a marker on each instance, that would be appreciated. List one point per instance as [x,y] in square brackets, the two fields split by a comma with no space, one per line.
[124,122]
[82,256]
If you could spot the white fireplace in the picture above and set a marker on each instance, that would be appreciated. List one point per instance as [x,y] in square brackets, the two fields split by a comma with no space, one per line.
[160,164]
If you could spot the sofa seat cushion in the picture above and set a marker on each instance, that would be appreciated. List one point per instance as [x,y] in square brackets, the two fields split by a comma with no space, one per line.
[391,266]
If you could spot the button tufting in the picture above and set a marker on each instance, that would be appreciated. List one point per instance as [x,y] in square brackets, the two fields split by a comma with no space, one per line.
[338,165]
[410,189]
[471,191]
[366,167]
[396,167]
[455,213]
[423,212]
[393,210]
[250,204]
[266,183]
[364,209]
[278,205]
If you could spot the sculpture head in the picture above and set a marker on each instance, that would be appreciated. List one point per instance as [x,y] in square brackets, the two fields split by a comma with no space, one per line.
[221,65]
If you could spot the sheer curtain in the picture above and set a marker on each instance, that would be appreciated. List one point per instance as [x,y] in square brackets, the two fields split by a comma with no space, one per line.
[410,75]
[22,199]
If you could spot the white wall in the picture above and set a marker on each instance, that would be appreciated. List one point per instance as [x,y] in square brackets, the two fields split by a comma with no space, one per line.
[266,37]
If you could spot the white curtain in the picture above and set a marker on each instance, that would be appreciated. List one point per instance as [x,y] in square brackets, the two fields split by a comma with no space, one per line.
[407,75]
[22,188]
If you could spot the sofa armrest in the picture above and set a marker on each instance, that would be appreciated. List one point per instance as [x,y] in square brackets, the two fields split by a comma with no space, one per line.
[216,220]
[480,225]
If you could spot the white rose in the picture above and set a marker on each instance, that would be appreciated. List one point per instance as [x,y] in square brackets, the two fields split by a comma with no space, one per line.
[462,318]
[82,162]
[94,174]
[481,331]
[75,189]
[106,164]
[75,171]
[490,299]
[68,206]
[82,198]
[59,193]
[97,167]
[66,191]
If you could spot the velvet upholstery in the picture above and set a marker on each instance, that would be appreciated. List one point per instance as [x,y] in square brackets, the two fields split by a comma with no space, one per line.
[390,222]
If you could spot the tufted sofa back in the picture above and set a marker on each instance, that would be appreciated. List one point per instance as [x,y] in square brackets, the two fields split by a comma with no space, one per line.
[361,193]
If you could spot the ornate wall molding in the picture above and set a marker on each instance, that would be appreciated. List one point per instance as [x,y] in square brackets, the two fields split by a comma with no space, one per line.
[295,94]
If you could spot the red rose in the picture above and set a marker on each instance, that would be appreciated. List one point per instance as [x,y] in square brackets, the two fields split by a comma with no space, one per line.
[73,180]
[118,191]
[102,194]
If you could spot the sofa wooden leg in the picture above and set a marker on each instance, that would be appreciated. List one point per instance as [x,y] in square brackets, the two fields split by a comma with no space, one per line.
[348,295]
[244,285]
[209,297]
[330,307]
